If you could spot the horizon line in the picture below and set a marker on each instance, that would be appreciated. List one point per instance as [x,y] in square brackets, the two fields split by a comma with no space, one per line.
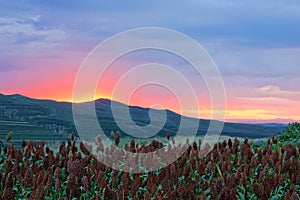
[230,120]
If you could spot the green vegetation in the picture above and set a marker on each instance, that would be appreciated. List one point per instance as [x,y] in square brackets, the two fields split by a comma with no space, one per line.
[232,169]
[290,135]
[25,131]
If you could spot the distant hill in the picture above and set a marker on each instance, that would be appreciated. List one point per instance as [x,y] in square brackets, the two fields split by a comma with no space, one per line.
[56,117]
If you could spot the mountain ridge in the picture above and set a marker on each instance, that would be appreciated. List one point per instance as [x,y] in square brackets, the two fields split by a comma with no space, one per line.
[57,117]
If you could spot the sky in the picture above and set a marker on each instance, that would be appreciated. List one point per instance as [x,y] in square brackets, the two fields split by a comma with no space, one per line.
[255,45]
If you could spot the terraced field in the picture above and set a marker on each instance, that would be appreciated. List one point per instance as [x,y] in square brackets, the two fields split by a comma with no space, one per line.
[25,131]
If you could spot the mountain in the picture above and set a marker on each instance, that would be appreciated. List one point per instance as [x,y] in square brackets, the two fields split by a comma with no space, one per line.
[278,121]
[49,116]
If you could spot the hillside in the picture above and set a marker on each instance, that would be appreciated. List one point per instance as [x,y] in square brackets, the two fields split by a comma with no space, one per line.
[46,116]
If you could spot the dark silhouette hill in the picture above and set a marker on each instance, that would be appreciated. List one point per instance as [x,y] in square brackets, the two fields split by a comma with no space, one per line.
[38,116]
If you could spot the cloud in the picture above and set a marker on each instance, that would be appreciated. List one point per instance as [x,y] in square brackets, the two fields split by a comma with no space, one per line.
[246,23]
[270,88]
[261,64]
[276,91]
[23,31]
[269,94]
[35,18]
[255,44]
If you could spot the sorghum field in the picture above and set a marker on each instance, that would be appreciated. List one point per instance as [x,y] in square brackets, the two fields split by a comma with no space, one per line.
[233,169]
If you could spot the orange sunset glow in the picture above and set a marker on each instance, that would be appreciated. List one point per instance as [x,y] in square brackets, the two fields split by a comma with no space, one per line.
[153,100]
[237,109]
[258,59]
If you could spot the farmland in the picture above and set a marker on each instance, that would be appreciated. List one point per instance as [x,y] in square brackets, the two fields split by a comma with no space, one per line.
[231,169]
[44,116]
[26,131]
